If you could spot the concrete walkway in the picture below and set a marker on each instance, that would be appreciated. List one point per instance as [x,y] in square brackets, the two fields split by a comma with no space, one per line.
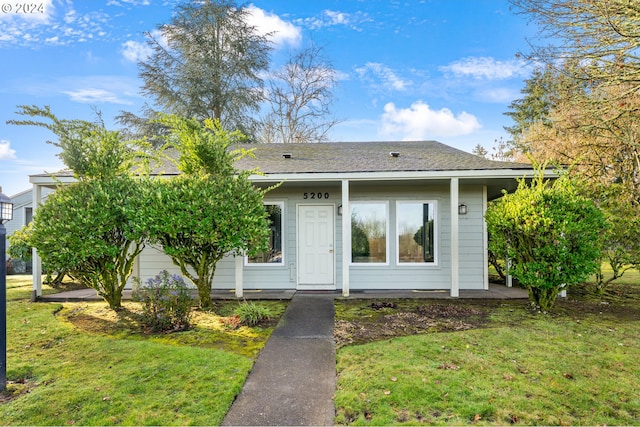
[294,377]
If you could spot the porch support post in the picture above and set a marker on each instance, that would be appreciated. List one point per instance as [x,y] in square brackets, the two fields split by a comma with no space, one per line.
[485,240]
[509,279]
[455,255]
[239,275]
[36,272]
[346,237]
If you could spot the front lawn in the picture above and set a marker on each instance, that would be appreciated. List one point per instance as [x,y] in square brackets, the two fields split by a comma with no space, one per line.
[79,363]
[491,362]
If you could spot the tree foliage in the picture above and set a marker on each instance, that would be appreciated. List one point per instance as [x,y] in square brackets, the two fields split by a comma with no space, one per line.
[600,146]
[601,38]
[299,99]
[621,240]
[209,211]
[19,247]
[533,108]
[88,149]
[86,228]
[206,63]
[550,234]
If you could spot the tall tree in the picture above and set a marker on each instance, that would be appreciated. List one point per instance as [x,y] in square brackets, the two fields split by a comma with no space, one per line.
[206,64]
[534,105]
[299,99]
[600,146]
[600,37]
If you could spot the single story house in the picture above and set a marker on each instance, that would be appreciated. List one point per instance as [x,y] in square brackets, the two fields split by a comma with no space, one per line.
[354,216]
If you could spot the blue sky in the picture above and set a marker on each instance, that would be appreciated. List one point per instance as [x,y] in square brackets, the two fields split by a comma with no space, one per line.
[408,70]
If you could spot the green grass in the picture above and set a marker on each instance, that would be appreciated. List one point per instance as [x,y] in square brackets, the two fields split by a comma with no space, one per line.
[578,366]
[20,286]
[79,363]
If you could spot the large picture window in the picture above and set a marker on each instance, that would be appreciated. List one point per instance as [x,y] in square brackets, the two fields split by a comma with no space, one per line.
[369,232]
[274,255]
[416,232]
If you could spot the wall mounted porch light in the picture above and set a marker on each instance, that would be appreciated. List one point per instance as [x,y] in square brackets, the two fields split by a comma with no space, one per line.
[462,209]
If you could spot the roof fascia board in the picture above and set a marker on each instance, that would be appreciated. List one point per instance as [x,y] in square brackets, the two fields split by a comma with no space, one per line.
[46,180]
[391,176]
[51,179]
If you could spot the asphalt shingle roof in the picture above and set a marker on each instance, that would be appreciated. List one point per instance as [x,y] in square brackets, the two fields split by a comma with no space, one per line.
[354,157]
[336,157]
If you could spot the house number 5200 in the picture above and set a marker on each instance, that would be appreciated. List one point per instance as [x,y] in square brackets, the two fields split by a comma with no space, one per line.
[316,195]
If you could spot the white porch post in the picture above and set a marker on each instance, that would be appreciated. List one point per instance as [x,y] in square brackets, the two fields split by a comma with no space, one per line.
[509,280]
[455,255]
[485,240]
[36,272]
[346,237]
[239,275]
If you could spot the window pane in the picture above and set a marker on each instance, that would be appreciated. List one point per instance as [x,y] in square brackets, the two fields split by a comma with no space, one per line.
[274,253]
[415,232]
[369,233]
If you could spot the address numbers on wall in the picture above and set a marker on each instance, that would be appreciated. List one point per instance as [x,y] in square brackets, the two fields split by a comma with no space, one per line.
[315,195]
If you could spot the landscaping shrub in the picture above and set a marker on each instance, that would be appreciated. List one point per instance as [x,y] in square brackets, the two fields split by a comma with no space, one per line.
[252,314]
[551,234]
[166,303]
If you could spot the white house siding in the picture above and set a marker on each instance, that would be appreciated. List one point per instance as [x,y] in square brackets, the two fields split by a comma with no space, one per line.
[152,261]
[389,276]
[22,205]
[21,202]
[472,250]
[285,276]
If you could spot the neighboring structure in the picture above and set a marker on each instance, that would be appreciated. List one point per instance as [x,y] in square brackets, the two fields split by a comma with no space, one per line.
[355,216]
[22,211]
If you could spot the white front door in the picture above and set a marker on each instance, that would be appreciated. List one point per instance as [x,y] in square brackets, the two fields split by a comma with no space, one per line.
[315,247]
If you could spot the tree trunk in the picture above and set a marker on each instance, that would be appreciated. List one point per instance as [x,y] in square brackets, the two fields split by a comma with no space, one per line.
[544,299]
[204,294]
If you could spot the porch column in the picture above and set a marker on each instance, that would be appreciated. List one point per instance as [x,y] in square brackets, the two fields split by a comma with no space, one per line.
[485,240]
[346,237]
[455,260]
[36,272]
[239,275]
[509,278]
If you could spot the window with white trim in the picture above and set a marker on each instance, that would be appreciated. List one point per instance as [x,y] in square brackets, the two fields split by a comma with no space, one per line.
[416,231]
[275,254]
[369,230]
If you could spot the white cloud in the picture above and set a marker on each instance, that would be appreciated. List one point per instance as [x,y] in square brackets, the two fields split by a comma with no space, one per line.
[95,96]
[283,32]
[380,75]
[135,51]
[332,18]
[6,153]
[131,2]
[59,24]
[420,122]
[487,68]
